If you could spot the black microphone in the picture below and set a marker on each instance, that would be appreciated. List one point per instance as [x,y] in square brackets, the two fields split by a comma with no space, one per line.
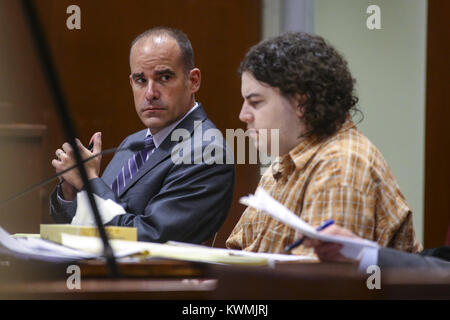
[135,146]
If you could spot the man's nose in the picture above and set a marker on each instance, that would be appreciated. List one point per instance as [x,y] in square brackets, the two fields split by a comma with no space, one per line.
[245,115]
[152,91]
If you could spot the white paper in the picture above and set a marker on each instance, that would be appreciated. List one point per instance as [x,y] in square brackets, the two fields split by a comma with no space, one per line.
[94,245]
[275,257]
[39,249]
[108,209]
[178,250]
[352,248]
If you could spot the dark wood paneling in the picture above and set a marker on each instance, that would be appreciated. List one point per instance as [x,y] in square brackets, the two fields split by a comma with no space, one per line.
[437,164]
[93,66]
[21,162]
[24,99]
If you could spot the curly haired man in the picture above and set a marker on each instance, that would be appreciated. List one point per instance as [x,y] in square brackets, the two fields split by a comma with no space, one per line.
[298,84]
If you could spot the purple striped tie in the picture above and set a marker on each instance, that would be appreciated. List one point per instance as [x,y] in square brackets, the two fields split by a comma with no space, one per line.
[132,166]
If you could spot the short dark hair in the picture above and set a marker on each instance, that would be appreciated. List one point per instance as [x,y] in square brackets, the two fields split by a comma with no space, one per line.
[300,63]
[187,53]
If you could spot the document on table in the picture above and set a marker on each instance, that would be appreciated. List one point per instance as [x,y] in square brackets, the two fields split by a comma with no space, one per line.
[39,249]
[76,248]
[272,257]
[352,248]
[179,250]
[44,250]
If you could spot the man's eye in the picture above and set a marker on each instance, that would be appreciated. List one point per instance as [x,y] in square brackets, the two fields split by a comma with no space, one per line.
[140,80]
[165,77]
[254,103]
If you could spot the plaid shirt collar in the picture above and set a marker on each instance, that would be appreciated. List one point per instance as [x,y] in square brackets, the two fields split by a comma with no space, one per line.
[301,154]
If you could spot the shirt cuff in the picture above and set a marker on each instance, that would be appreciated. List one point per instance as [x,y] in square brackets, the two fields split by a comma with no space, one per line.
[59,195]
[369,257]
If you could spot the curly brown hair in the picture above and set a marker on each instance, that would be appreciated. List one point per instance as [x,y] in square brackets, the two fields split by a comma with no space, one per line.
[300,63]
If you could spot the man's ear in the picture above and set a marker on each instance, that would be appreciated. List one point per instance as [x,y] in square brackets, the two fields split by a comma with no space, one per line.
[131,81]
[299,101]
[195,78]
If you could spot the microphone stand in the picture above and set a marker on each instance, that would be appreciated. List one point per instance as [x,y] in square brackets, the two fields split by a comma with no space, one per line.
[62,109]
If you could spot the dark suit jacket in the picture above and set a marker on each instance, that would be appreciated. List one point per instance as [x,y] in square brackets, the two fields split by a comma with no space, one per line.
[390,258]
[166,201]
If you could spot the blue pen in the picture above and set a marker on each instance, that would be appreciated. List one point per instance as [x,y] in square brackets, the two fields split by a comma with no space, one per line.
[300,241]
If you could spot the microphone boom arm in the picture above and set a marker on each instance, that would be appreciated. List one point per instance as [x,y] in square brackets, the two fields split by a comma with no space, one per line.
[46,181]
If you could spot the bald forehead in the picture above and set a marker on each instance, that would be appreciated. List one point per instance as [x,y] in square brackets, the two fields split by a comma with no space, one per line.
[161,44]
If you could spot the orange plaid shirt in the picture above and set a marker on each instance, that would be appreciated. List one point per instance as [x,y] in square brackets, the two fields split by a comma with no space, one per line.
[344,178]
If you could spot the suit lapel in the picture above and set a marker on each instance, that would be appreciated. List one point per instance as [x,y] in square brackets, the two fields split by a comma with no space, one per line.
[165,149]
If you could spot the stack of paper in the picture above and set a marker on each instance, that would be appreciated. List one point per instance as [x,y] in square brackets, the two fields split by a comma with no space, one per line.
[178,250]
[76,247]
[38,249]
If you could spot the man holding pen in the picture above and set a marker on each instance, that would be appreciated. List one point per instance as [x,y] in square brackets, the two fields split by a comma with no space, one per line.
[385,258]
[300,241]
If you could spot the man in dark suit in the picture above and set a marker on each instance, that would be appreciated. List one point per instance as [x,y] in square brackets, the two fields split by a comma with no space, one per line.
[383,257]
[164,197]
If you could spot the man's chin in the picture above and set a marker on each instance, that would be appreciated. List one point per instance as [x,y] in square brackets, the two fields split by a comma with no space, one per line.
[154,125]
[258,143]
[264,149]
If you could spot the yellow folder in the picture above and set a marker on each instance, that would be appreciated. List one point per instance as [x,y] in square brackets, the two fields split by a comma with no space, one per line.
[53,232]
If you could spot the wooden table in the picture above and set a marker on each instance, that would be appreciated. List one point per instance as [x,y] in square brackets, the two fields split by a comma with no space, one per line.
[170,279]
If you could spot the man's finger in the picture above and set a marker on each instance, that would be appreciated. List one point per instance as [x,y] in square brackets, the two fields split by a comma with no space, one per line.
[331,256]
[80,146]
[97,143]
[328,249]
[59,153]
[67,147]
[311,243]
[308,243]
[84,152]
[91,142]
[56,164]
